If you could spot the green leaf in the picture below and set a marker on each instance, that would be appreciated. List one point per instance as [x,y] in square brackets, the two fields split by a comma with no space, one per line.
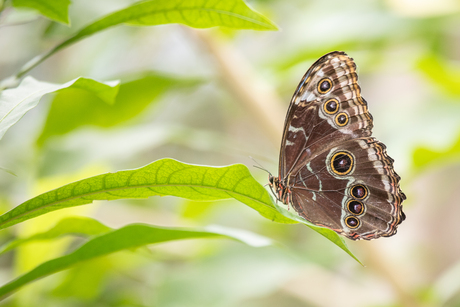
[194,13]
[16,102]
[128,237]
[81,226]
[233,14]
[74,108]
[327,233]
[424,157]
[106,92]
[57,10]
[201,14]
[160,178]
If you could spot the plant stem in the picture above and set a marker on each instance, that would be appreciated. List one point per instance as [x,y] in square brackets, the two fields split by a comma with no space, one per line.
[238,75]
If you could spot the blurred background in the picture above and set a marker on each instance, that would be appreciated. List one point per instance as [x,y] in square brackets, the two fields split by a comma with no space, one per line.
[218,97]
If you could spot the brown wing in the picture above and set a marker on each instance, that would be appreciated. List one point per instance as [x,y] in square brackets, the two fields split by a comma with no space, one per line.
[363,191]
[328,159]
[314,116]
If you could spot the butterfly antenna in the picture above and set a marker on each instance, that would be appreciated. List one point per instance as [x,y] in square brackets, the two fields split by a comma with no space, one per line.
[259,166]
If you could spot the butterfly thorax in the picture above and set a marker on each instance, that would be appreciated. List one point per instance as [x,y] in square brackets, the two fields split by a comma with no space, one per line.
[280,189]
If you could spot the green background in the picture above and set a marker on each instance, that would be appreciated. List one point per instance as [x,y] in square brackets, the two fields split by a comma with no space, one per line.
[218,97]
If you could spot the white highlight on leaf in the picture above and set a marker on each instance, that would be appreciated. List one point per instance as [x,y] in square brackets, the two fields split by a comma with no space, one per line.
[245,236]
[16,102]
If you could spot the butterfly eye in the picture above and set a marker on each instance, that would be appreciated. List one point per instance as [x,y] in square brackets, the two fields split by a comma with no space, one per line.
[342,163]
[352,222]
[359,191]
[324,86]
[341,119]
[331,106]
[355,207]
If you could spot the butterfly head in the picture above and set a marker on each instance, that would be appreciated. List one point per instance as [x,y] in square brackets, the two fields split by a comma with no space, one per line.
[273,183]
[279,189]
[271,180]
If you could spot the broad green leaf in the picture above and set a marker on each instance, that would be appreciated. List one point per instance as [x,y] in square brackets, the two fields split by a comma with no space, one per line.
[107,91]
[424,157]
[57,10]
[194,13]
[445,75]
[202,14]
[233,14]
[327,233]
[77,107]
[128,237]
[16,102]
[81,226]
[160,178]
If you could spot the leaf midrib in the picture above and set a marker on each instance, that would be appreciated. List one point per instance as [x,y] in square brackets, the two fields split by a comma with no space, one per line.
[127,188]
[142,14]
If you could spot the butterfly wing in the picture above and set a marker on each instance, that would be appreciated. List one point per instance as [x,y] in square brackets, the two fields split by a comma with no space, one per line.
[314,116]
[338,176]
[360,199]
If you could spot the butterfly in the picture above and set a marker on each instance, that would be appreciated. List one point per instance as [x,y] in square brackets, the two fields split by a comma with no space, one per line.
[331,171]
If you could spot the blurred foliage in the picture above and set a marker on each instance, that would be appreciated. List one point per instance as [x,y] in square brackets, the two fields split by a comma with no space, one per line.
[175,100]
[18,101]
[81,226]
[128,237]
[195,13]
[74,108]
[442,73]
[424,157]
[57,10]
[162,177]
